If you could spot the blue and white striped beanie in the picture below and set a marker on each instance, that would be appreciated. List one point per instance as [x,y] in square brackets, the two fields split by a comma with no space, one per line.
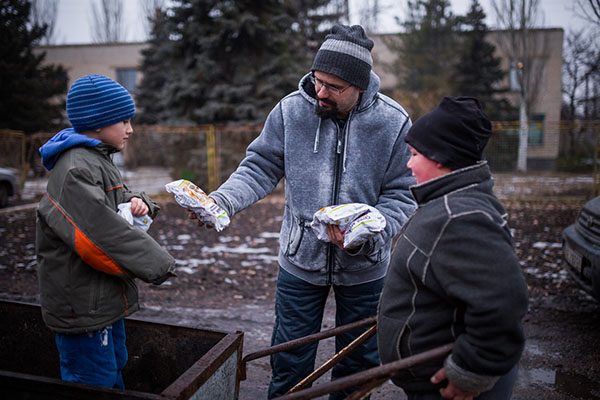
[346,53]
[95,101]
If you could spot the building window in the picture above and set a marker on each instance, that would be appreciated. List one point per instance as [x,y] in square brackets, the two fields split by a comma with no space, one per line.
[128,78]
[535,132]
[536,129]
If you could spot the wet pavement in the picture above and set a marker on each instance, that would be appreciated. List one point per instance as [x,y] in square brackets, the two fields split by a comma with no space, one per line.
[561,359]
[545,373]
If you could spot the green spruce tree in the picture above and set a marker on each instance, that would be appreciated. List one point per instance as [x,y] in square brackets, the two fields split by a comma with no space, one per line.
[151,102]
[216,61]
[478,72]
[425,55]
[27,98]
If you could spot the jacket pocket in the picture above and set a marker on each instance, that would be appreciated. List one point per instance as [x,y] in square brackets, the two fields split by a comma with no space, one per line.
[303,249]
[295,236]
[374,258]
[388,338]
[95,293]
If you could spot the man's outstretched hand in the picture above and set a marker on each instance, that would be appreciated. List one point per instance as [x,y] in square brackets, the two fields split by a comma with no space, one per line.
[192,215]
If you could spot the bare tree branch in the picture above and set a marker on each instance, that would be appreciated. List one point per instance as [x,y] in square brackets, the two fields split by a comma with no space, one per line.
[595,4]
[44,12]
[107,24]
[587,10]
[369,14]
[528,54]
[149,8]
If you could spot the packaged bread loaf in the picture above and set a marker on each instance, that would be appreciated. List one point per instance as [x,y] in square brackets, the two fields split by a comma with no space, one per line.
[190,196]
[358,222]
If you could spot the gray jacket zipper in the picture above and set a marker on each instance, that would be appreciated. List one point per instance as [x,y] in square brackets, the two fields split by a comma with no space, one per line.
[336,191]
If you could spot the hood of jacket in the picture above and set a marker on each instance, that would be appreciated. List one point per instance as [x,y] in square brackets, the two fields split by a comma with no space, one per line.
[366,99]
[61,142]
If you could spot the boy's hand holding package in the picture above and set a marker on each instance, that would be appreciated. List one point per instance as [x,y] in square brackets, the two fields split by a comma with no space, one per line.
[136,213]
[356,222]
[138,207]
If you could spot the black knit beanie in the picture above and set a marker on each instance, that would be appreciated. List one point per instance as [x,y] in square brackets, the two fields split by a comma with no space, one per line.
[346,53]
[453,134]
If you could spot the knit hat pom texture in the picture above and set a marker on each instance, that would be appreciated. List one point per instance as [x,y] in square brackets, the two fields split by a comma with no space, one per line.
[346,53]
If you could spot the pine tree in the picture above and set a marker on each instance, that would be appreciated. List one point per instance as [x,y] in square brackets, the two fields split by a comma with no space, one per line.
[478,72]
[28,88]
[152,105]
[225,61]
[426,54]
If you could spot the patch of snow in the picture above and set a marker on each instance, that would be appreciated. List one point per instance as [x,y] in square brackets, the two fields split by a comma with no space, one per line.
[264,257]
[269,235]
[543,245]
[242,249]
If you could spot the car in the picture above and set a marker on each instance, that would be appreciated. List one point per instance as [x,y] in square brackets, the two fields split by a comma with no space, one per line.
[9,185]
[581,248]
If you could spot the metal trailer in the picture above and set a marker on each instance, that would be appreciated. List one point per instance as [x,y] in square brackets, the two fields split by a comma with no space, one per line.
[166,362]
[171,362]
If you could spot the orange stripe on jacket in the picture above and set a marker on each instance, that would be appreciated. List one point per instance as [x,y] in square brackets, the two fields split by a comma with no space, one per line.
[113,188]
[89,252]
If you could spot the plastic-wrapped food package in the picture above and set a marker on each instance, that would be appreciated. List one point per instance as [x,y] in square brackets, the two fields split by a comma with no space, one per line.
[358,222]
[190,196]
[142,222]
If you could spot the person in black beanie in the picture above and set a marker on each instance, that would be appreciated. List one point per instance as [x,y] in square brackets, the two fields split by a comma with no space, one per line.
[453,134]
[454,275]
[336,140]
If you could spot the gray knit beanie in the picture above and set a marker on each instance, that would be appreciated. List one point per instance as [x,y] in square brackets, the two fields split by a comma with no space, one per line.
[346,53]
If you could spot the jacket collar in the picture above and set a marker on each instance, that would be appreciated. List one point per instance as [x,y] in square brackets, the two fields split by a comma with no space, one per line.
[106,148]
[451,182]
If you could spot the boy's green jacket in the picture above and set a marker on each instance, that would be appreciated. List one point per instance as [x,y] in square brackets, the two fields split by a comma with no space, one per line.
[87,254]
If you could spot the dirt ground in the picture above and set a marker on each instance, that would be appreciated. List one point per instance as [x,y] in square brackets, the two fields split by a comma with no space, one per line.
[226,282]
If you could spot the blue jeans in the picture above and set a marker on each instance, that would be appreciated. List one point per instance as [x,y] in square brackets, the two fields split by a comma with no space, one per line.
[299,308]
[94,358]
[502,390]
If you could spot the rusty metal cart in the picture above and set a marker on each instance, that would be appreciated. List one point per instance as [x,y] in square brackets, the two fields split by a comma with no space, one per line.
[166,362]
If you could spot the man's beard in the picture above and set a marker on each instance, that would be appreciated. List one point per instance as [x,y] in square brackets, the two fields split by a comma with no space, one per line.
[325,113]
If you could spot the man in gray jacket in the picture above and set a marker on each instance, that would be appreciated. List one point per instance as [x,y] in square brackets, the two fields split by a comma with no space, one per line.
[335,140]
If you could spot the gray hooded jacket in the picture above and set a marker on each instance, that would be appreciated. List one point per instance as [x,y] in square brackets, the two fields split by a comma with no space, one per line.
[323,165]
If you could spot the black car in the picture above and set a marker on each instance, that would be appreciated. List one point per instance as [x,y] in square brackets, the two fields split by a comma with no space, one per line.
[581,248]
[9,185]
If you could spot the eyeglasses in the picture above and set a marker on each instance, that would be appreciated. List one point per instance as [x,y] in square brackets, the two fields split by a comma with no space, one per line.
[319,84]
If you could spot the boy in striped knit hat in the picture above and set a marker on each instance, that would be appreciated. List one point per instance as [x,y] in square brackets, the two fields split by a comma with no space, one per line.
[87,254]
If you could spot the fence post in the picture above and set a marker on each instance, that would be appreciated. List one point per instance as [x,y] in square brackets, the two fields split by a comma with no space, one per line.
[211,158]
